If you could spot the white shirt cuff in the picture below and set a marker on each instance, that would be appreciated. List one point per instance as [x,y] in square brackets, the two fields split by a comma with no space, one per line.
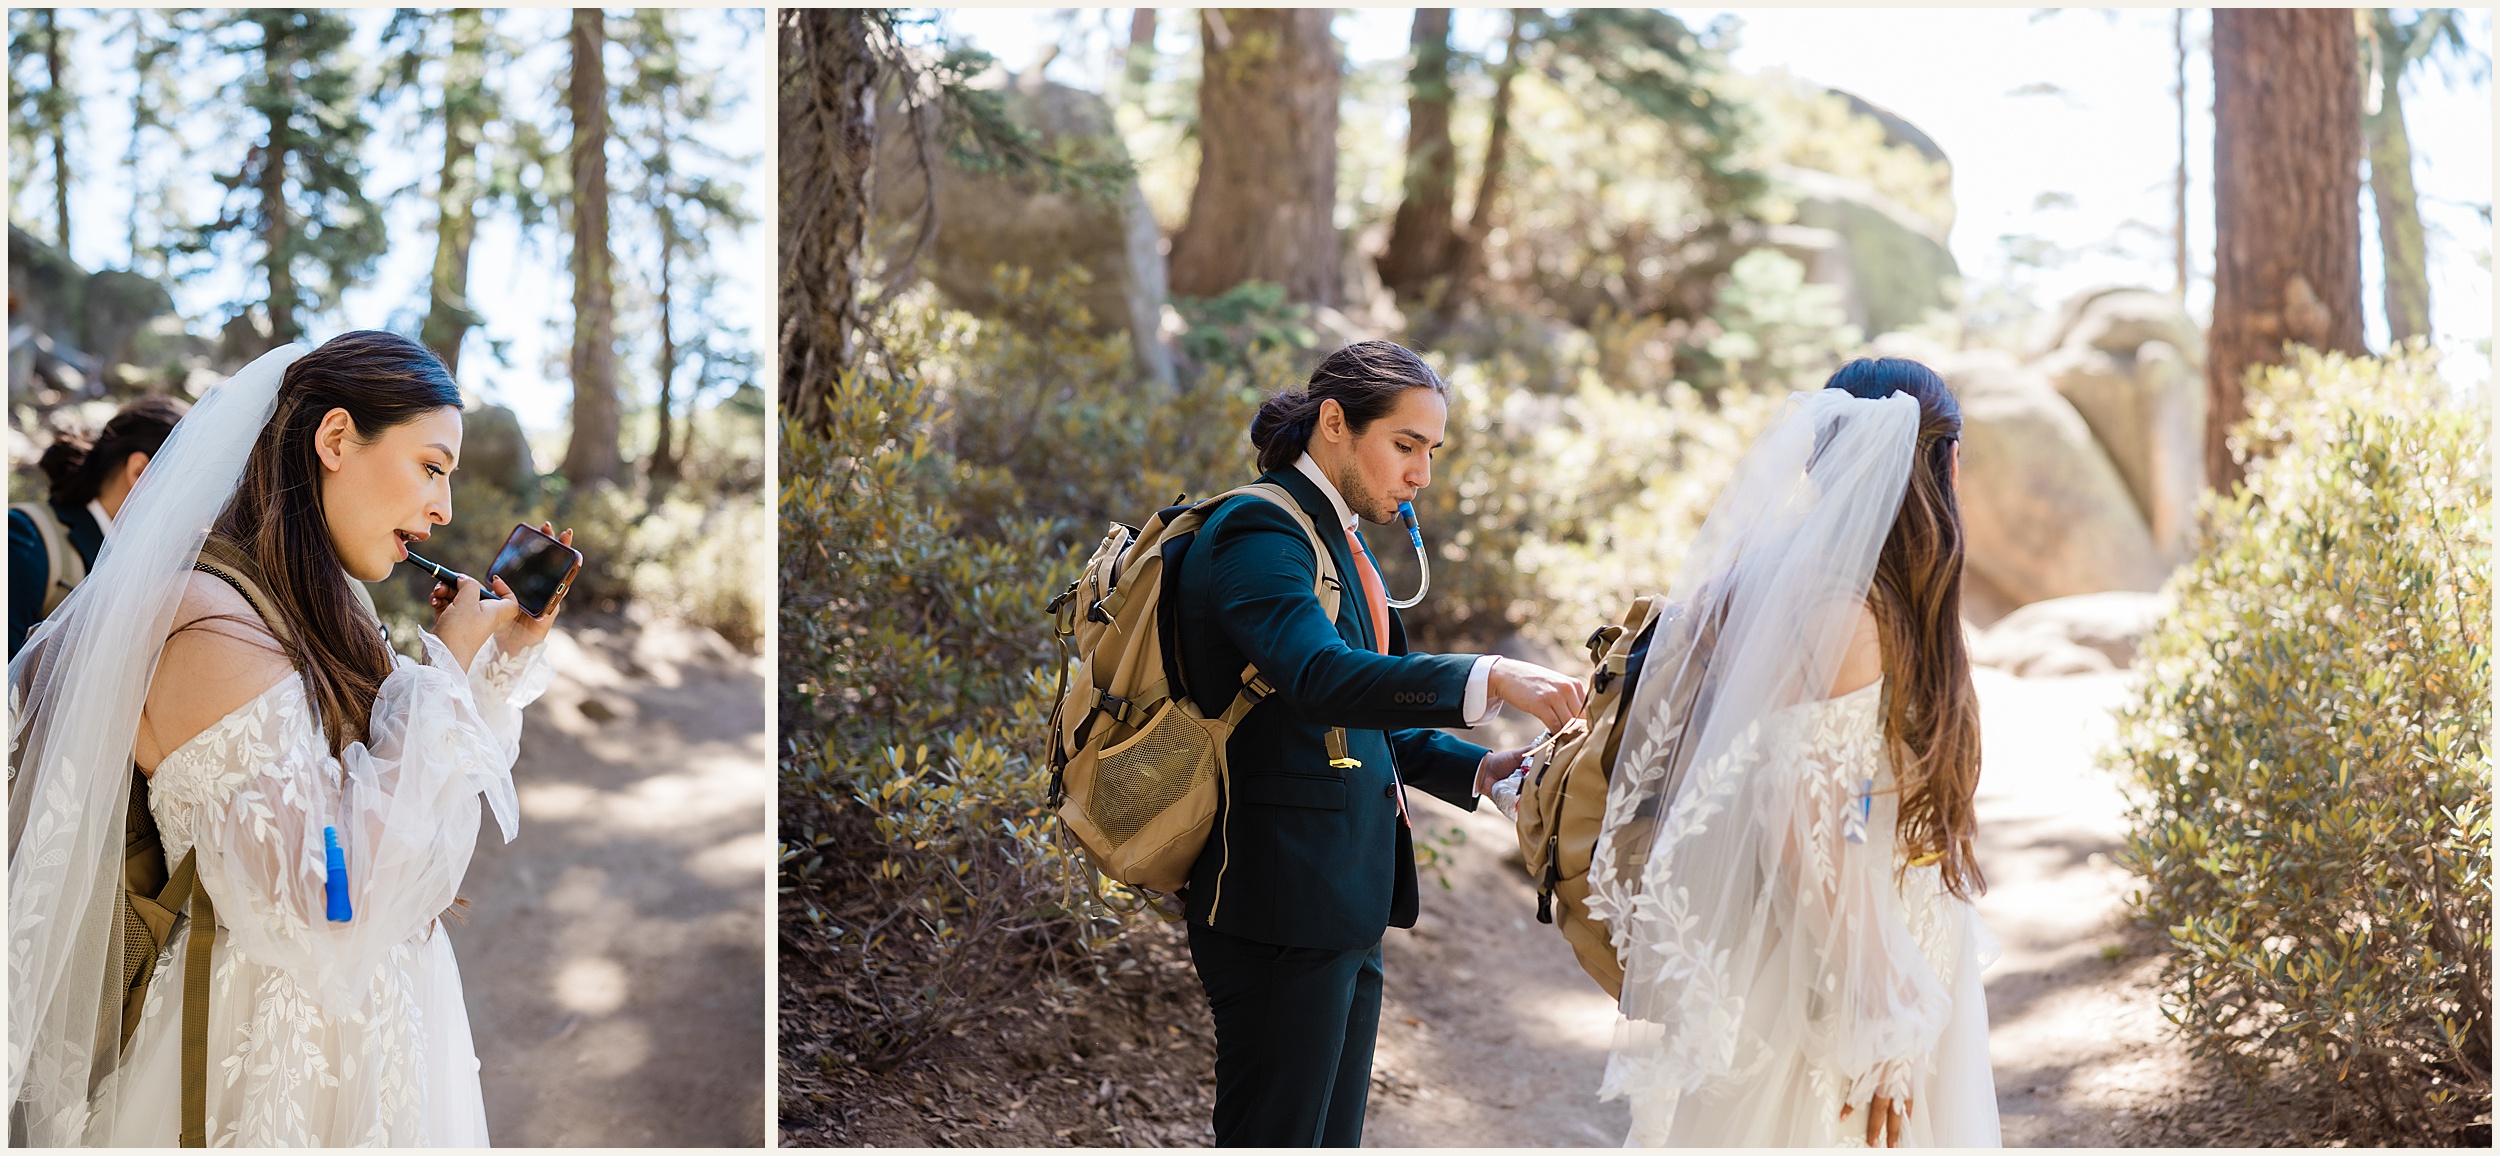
[1475,707]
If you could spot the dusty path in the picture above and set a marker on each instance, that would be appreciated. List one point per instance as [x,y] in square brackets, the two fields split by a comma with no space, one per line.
[1492,1036]
[614,953]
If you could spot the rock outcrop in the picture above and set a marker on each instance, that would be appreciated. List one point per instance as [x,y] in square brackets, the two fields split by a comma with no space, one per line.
[985,220]
[494,450]
[2047,512]
[2131,362]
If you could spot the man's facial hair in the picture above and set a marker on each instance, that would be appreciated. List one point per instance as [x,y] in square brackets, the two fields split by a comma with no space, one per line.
[1359,497]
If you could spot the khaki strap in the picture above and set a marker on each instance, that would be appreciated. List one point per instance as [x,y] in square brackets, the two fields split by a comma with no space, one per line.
[223,560]
[64,566]
[195,976]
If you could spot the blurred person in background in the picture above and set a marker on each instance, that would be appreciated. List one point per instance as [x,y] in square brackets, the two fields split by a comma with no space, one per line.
[53,543]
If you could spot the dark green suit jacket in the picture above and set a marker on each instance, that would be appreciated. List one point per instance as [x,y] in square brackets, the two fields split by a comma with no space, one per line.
[1304,854]
[29,568]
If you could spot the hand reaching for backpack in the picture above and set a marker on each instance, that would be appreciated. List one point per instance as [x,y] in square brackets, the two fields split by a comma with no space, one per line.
[1554,698]
[1497,766]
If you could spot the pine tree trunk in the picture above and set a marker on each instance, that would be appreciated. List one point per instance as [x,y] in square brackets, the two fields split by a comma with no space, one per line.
[828,138]
[1467,267]
[1421,240]
[447,316]
[276,220]
[592,454]
[663,465]
[1264,208]
[1141,47]
[2408,294]
[55,96]
[2287,211]
[2179,180]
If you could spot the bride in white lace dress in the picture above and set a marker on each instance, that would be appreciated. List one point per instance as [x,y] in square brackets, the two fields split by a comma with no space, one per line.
[273,724]
[1801,957]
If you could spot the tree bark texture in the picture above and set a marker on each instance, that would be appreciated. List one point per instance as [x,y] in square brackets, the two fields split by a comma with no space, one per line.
[1264,208]
[2287,211]
[2179,180]
[1467,264]
[592,454]
[663,464]
[2408,289]
[57,98]
[828,138]
[276,219]
[1422,240]
[1141,47]
[448,316]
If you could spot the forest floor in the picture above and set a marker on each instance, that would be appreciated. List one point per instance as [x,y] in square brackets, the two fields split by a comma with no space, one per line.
[614,952]
[1491,1036]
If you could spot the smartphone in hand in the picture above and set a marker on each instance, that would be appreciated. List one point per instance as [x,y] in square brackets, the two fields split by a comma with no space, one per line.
[536,568]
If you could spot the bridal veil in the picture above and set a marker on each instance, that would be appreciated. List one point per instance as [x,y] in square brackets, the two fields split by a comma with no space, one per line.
[75,693]
[1714,868]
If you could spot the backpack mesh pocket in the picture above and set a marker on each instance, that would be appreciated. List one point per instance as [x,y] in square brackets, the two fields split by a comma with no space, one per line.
[1146,775]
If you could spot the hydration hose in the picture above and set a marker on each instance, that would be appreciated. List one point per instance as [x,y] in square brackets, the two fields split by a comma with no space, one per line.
[1423,564]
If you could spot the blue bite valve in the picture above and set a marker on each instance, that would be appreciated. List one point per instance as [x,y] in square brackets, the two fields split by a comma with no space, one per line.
[335,887]
[1414,533]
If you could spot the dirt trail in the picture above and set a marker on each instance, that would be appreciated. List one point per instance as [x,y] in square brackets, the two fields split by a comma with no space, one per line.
[614,953]
[1492,1036]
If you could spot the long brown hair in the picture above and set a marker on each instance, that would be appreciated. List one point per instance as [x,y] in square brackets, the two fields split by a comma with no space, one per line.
[277,520]
[1931,711]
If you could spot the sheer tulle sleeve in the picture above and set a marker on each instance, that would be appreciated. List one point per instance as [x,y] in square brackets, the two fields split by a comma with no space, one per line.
[1766,928]
[1877,1006]
[406,808]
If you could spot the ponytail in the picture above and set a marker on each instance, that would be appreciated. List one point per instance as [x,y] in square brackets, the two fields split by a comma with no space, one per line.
[77,468]
[1365,378]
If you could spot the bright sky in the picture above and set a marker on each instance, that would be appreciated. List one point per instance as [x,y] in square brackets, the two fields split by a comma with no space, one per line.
[2027,103]
[521,285]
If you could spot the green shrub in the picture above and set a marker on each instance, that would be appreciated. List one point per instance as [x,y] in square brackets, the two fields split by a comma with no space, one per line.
[2313,817]
[1059,415]
[916,847]
[708,564]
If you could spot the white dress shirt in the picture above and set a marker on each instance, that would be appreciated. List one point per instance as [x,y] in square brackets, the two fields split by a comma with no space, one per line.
[1475,708]
[103,521]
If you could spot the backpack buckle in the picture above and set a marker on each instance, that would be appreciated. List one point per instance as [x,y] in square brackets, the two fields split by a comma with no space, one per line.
[1120,709]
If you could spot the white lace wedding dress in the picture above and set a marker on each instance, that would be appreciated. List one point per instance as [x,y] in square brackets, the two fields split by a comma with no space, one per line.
[1865,983]
[323,1033]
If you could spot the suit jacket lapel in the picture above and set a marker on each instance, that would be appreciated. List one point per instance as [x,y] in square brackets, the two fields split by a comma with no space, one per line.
[1323,515]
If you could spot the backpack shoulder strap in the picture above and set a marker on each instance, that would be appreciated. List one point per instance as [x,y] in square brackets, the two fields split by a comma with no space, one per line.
[1325,583]
[186,888]
[219,559]
[64,567]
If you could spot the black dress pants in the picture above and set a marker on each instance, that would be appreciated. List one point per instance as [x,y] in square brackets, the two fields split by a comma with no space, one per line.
[1294,1028]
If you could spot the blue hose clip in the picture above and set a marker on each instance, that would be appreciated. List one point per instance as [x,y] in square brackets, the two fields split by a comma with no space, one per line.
[335,887]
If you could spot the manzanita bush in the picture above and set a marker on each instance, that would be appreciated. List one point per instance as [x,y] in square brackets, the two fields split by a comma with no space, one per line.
[2313,820]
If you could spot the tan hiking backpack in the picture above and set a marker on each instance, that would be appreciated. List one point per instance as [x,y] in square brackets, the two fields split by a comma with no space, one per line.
[152,897]
[65,567]
[1562,805]
[1136,767]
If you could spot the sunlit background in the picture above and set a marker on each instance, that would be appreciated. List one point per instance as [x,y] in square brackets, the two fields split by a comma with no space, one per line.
[518,278]
[2062,126]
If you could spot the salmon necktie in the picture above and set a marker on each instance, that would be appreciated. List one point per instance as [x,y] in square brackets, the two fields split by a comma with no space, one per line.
[1374,595]
[1377,598]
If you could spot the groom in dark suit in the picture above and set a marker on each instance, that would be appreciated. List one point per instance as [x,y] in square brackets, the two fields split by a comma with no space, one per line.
[1312,857]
